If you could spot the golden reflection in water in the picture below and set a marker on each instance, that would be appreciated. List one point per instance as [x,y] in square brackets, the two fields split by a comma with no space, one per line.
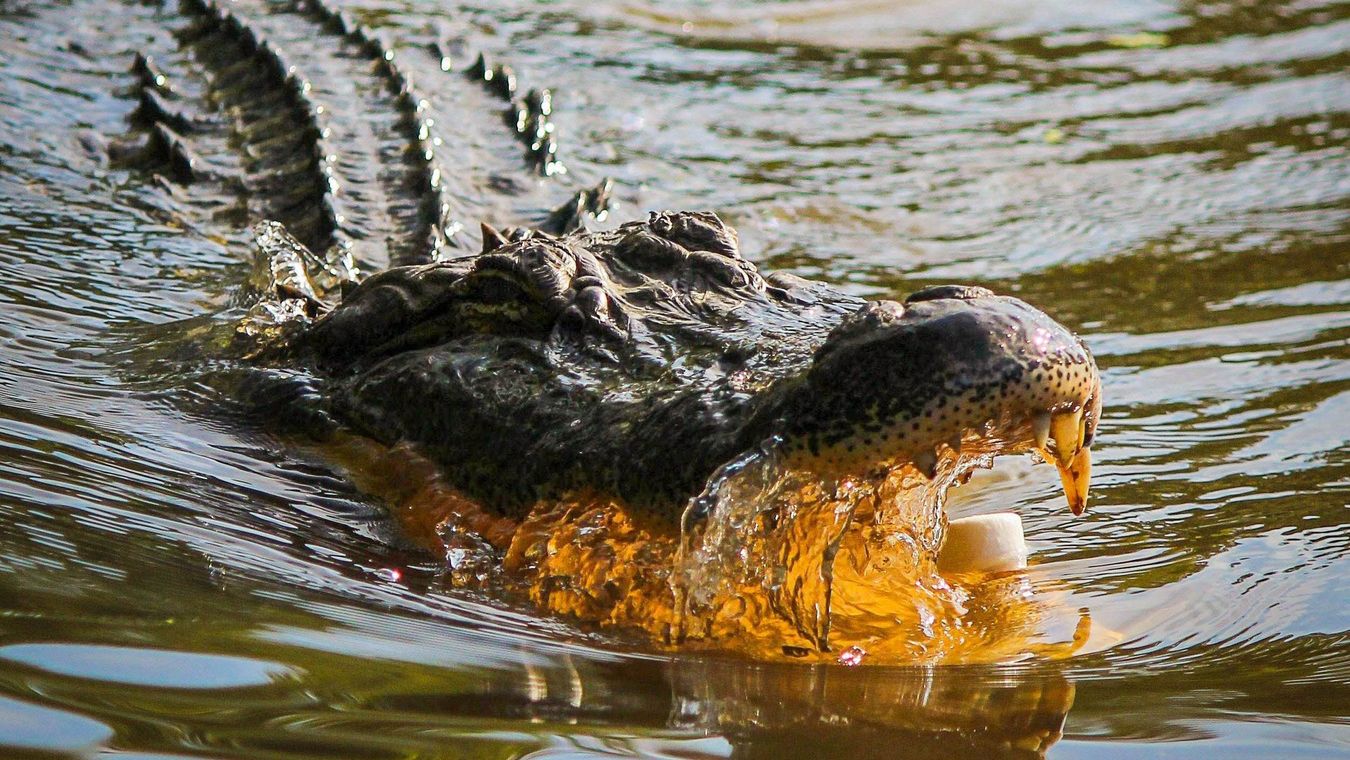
[779,711]
[784,565]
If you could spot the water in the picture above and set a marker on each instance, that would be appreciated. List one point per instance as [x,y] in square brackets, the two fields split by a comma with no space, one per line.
[1170,180]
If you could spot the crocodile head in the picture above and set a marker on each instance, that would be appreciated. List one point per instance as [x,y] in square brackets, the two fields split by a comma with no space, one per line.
[952,367]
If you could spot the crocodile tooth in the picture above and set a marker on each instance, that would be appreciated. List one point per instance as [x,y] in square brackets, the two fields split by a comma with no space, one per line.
[926,463]
[1067,428]
[1040,427]
[1075,477]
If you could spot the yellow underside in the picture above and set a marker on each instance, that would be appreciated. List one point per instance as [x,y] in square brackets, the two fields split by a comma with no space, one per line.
[589,558]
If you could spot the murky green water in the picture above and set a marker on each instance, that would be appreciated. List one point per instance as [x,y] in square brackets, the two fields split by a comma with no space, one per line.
[1173,180]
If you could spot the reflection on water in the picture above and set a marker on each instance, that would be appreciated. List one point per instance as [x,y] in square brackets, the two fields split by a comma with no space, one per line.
[1170,179]
[871,712]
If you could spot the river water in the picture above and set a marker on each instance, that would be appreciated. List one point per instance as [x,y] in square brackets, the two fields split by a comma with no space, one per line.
[1170,179]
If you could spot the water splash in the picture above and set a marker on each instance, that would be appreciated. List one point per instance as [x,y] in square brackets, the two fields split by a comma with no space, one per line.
[790,560]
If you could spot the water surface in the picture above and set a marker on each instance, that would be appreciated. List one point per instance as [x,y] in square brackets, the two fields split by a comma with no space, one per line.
[1170,179]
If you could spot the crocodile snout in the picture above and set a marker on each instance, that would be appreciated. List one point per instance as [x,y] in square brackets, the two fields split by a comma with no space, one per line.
[952,368]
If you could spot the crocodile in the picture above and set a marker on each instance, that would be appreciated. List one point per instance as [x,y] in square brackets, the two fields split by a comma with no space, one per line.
[630,423]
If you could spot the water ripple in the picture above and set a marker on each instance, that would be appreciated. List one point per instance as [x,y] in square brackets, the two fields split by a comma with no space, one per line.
[1173,180]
